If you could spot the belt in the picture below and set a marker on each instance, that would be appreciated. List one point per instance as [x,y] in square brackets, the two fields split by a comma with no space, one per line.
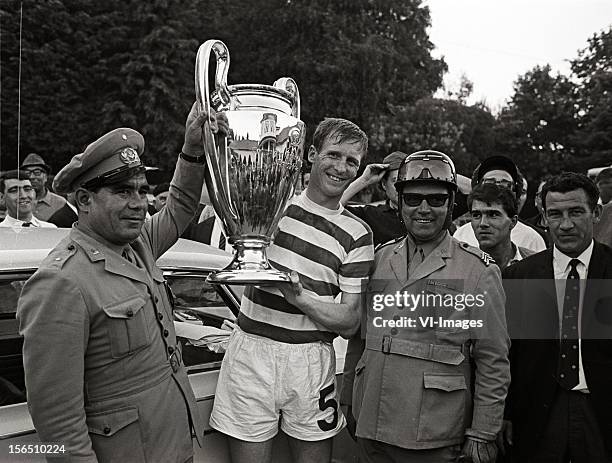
[442,353]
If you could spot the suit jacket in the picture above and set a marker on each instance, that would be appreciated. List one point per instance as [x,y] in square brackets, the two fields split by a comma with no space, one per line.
[102,366]
[63,217]
[602,230]
[533,321]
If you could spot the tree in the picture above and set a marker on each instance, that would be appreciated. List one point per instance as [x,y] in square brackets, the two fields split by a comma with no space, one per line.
[91,66]
[593,71]
[536,127]
[463,132]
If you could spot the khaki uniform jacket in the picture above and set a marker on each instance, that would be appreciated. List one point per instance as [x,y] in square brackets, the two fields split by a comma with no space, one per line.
[103,372]
[426,386]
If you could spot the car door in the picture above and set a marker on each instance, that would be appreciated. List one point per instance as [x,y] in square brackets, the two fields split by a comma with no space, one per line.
[196,302]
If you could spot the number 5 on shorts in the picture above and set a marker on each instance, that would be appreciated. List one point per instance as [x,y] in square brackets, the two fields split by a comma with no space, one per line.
[324,405]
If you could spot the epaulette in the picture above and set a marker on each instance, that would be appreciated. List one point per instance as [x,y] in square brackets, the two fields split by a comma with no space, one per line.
[393,241]
[60,256]
[483,256]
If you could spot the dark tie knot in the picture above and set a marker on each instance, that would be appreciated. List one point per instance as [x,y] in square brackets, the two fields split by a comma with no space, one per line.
[573,273]
[26,224]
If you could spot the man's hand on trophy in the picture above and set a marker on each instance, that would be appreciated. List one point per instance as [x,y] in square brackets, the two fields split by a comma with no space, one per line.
[193,145]
[222,124]
[195,129]
[292,291]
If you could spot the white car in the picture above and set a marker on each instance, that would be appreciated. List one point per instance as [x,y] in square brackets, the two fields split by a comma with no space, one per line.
[186,266]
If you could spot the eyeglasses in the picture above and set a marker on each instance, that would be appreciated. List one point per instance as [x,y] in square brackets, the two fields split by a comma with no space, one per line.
[36,172]
[504,183]
[415,199]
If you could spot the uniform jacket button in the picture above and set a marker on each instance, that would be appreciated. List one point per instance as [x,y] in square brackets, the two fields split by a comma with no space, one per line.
[130,313]
[106,430]
[166,333]
[156,299]
[71,247]
[170,350]
[160,316]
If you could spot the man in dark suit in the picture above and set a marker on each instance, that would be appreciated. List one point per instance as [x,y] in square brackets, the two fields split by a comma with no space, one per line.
[65,216]
[559,311]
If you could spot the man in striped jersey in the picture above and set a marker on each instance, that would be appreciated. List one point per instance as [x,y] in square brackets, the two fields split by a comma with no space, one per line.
[280,363]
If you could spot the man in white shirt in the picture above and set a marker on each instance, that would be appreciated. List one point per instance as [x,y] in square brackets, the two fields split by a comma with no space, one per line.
[20,199]
[502,171]
[494,215]
[558,309]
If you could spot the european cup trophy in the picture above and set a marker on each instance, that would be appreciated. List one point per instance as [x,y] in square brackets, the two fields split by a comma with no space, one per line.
[252,169]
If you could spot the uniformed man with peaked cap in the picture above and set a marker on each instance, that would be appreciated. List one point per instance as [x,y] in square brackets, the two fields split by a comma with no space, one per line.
[434,388]
[103,370]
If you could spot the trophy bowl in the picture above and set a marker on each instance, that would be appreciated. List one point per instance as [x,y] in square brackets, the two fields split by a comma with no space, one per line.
[254,167]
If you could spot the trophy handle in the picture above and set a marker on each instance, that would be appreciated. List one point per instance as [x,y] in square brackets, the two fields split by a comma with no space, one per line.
[289,85]
[201,74]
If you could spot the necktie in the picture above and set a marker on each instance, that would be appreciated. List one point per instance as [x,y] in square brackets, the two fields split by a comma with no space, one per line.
[127,254]
[26,224]
[417,257]
[568,354]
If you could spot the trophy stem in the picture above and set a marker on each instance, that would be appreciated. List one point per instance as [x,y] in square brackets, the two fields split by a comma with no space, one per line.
[250,265]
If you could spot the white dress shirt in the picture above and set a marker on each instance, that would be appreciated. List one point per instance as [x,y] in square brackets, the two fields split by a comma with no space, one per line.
[522,235]
[16,223]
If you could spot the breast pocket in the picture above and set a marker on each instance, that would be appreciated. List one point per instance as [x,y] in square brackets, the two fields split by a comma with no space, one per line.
[127,326]
[443,410]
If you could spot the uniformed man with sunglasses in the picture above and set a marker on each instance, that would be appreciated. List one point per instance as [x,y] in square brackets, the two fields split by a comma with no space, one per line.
[431,384]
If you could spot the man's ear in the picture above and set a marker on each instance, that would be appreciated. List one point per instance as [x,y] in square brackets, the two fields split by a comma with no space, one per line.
[514,220]
[597,213]
[82,198]
[312,153]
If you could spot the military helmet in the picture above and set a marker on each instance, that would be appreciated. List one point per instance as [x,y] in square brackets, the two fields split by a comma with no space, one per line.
[429,166]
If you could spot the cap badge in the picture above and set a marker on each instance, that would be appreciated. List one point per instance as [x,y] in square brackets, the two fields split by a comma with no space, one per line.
[129,156]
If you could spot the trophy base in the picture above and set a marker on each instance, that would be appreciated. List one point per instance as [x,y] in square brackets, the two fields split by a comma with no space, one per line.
[250,266]
[248,277]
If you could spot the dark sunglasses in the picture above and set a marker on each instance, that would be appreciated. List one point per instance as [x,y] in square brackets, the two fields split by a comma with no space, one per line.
[415,199]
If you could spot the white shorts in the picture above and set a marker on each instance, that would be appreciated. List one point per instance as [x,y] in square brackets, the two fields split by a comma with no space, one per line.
[263,381]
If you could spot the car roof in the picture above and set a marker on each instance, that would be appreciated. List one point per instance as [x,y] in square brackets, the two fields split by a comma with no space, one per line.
[25,248]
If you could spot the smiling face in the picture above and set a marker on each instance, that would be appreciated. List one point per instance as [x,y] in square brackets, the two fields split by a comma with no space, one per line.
[38,177]
[570,220]
[424,222]
[115,213]
[20,198]
[334,166]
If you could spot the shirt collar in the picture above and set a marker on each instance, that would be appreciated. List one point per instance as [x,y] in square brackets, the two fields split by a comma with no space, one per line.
[561,261]
[44,199]
[517,255]
[13,222]
[427,247]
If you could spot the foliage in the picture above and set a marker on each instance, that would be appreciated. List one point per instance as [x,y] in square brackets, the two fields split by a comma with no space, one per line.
[536,127]
[593,70]
[91,66]
[463,132]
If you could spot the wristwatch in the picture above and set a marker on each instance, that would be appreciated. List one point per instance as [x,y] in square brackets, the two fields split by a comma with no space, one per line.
[197,159]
